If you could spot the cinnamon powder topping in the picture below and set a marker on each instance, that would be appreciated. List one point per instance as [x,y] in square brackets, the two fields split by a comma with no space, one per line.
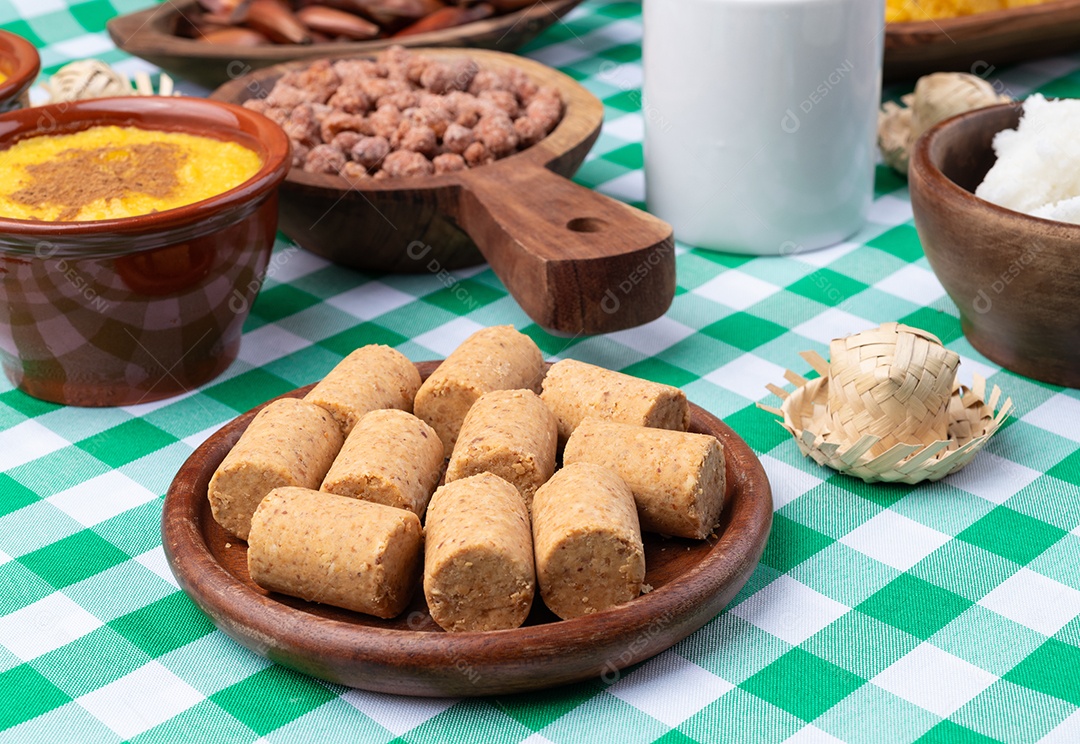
[76,178]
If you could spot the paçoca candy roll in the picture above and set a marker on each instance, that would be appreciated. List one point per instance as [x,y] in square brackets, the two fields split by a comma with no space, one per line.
[510,433]
[369,378]
[574,390]
[392,458]
[677,477]
[496,358]
[289,443]
[589,554]
[478,555]
[335,550]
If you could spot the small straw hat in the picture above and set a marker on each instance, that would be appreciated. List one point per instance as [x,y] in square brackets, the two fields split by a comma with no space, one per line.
[888,407]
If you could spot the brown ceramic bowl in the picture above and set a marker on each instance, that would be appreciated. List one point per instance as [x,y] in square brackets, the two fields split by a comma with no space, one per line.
[20,65]
[123,311]
[1015,278]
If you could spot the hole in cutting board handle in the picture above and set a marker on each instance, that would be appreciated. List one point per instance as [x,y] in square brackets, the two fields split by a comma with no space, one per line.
[587,224]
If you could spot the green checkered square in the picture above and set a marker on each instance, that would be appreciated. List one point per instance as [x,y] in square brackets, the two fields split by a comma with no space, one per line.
[350,340]
[782,683]
[1068,469]
[303,367]
[901,241]
[743,331]
[860,644]
[987,640]
[14,495]
[292,693]
[248,389]
[941,324]
[1012,535]
[914,605]
[1010,712]
[27,406]
[73,558]
[828,287]
[1052,669]
[29,695]
[947,732]
[790,543]
[164,625]
[125,443]
[739,717]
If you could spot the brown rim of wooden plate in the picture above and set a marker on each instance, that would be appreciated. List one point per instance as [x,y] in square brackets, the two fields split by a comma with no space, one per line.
[409,655]
[992,38]
[149,34]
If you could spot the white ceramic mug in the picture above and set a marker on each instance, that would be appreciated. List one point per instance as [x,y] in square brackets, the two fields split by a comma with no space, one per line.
[761,119]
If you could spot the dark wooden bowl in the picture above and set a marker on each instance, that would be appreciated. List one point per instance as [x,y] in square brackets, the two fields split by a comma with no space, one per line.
[410,655]
[575,260]
[151,34]
[1015,278]
[981,43]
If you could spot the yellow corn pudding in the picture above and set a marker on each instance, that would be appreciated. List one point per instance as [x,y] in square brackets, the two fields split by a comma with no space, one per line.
[110,172]
[3,77]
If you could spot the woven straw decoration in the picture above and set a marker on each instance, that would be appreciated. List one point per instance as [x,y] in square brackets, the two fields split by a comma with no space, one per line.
[929,446]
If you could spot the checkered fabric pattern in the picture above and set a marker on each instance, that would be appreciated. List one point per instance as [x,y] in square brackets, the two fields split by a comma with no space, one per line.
[947,612]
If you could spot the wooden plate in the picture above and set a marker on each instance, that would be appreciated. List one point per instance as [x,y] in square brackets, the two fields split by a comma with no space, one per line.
[151,34]
[983,42]
[410,655]
[577,262]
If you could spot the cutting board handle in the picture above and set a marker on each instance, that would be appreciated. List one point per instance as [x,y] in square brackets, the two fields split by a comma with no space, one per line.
[577,262]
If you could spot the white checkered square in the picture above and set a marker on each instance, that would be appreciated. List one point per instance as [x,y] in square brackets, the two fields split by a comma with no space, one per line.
[736,289]
[45,626]
[4,557]
[101,498]
[934,679]
[1034,601]
[630,127]
[394,713]
[629,187]
[789,610]
[895,540]
[1060,414]
[993,478]
[448,336]
[370,300]
[269,343]
[154,561]
[33,8]
[788,483]
[289,263]
[913,283]
[747,376]
[832,323]
[889,210]
[652,338]
[669,688]
[1066,732]
[27,441]
[141,700]
[825,256]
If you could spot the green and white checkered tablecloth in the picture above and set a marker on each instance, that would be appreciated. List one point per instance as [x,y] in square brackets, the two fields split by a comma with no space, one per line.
[947,612]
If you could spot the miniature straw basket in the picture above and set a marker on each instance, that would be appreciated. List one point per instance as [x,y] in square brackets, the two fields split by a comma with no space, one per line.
[887,407]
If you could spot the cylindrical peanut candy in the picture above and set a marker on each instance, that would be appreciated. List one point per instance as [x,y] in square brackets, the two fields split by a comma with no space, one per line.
[574,390]
[496,358]
[478,555]
[392,458]
[370,378]
[589,555]
[289,443]
[335,550]
[677,478]
[510,433]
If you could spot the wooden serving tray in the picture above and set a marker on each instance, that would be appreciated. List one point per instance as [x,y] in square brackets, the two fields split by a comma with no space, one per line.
[981,43]
[151,35]
[577,262]
[410,655]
